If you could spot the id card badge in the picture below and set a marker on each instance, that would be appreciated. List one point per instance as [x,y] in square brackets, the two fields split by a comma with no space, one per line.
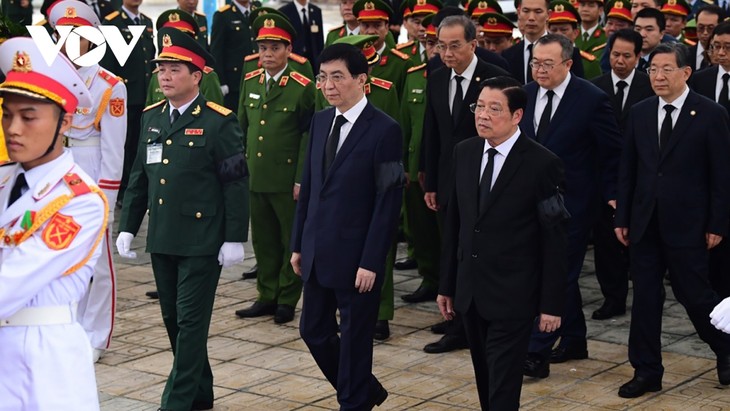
[154,153]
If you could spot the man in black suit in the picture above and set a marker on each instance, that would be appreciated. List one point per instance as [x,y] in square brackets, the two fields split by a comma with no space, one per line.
[572,118]
[708,18]
[504,247]
[650,23]
[449,92]
[307,21]
[347,213]
[625,86]
[673,206]
[712,83]
[532,16]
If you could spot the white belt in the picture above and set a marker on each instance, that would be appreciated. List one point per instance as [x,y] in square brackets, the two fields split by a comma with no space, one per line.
[46,315]
[94,141]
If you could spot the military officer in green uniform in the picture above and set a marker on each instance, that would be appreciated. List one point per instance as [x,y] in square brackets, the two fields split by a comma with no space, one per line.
[191,8]
[415,47]
[231,41]
[592,33]
[210,86]
[675,15]
[190,179]
[136,73]
[374,16]
[564,19]
[276,107]
[350,26]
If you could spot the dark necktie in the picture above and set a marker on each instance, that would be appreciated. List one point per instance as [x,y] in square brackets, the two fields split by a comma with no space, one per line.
[136,21]
[621,85]
[307,29]
[245,14]
[666,130]
[723,98]
[643,64]
[586,36]
[528,78]
[175,116]
[332,141]
[458,100]
[17,190]
[542,127]
[485,184]
[269,85]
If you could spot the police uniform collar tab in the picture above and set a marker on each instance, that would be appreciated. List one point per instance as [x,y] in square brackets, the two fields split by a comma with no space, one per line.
[276,76]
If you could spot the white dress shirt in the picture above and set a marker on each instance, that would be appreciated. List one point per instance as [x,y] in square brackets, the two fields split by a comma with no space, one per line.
[718,82]
[467,76]
[351,116]
[499,158]
[243,9]
[301,6]
[542,99]
[677,103]
[182,108]
[615,79]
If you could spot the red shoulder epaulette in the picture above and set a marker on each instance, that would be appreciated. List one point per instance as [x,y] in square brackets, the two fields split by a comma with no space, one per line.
[109,77]
[299,78]
[252,74]
[251,57]
[400,54]
[76,184]
[381,83]
[296,57]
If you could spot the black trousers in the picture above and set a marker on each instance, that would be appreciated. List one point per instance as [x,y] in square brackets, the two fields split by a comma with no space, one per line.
[651,257]
[720,268]
[611,258]
[498,350]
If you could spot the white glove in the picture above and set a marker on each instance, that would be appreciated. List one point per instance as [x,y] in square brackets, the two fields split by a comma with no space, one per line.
[720,316]
[230,254]
[124,242]
[224,89]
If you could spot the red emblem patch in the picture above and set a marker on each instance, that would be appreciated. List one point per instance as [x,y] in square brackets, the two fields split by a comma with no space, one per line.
[116,107]
[60,231]
[193,131]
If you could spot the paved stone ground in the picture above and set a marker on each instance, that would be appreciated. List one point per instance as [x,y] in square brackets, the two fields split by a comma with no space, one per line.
[259,365]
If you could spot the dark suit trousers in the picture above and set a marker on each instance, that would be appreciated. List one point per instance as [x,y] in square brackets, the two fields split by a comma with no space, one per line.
[187,291]
[456,326]
[346,360]
[611,259]
[688,267]
[720,268]
[131,144]
[498,350]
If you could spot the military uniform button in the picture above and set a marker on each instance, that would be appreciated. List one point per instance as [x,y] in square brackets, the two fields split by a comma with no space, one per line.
[235,69]
[149,139]
[414,100]
[261,138]
[410,149]
[250,105]
[284,108]
[265,106]
[165,161]
[163,181]
[198,214]
[238,28]
[190,144]
[160,201]
[168,142]
[259,155]
[263,122]
[288,160]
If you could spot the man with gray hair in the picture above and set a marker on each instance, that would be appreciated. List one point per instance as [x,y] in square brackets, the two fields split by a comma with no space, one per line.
[449,92]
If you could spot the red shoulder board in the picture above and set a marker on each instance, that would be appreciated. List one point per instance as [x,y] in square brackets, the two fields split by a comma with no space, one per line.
[416,68]
[251,57]
[381,83]
[112,80]
[400,54]
[252,74]
[299,78]
[76,184]
[296,57]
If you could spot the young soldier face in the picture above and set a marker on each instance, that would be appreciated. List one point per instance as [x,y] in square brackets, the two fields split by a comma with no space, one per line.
[613,25]
[273,55]
[496,44]
[188,5]
[29,127]
[590,12]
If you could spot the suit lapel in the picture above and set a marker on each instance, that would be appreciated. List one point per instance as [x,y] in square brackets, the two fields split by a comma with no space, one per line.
[564,110]
[509,168]
[527,125]
[319,142]
[361,126]
[472,92]
[686,116]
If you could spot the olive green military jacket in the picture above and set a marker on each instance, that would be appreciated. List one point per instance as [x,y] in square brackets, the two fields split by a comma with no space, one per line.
[598,38]
[341,31]
[210,88]
[298,63]
[413,50]
[393,66]
[137,70]
[230,41]
[380,93]
[203,26]
[413,111]
[591,64]
[191,178]
[276,128]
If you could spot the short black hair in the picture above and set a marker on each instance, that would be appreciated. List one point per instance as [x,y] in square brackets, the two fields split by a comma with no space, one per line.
[655,14]
[629,35]
[565,44]
[722,28]
[711,9]
[680,51]
[352,57]
[511,88]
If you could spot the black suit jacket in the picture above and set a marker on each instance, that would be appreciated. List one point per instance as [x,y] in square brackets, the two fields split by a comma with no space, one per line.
[314,17]
[685,183]
[640,89]
[703,83]
[508,260]
[440,132]
[515,56]
[483,54]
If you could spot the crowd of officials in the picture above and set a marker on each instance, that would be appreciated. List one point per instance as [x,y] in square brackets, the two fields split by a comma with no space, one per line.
[497,158]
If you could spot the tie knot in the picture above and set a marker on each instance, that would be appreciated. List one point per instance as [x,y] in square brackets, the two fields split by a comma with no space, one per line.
[304,10]
[492,152]
[175,115]
[621,84]
[669,108]
[340,121]
[136,20]
[725,77]
[458,79]
[550,94]
[529,47]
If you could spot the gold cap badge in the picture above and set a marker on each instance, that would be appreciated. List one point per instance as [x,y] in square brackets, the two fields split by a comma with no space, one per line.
[559,8]
[70,12]
[369,6]
[21,63]
[269,23]
[173,18]
[166,41]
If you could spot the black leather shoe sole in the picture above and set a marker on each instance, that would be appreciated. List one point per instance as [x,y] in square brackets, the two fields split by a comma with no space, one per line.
[420,295]
[284,314]
[536,366]
[252,273]
[153,295]
[639,386]
[258,309]
[447,343]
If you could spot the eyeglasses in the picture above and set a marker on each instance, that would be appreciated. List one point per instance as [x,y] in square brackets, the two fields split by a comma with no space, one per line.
[719,47]
[335,78]
[453,47]
[653,71]
[709,28]
[545,66]
[493,111]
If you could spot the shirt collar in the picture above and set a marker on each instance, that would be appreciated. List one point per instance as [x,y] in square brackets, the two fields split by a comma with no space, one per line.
[35,175]
[276,76]
[470,69]
[354,112]
[381,50]
[678,102]
[506,146]
[559,90]
[590,31]
[300,6]
[243,8]
[615,79]
[184,107]
[720,71]
[354,32]
[130,14]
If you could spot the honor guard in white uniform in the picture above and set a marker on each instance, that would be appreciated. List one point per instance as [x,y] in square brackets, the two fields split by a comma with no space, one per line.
[52,221]
[96,140]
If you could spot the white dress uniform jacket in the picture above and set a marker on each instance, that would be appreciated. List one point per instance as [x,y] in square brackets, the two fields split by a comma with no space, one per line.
[47,367]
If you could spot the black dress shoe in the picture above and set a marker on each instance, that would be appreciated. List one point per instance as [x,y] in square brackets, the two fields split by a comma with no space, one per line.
[441,327]
[723,369]
[284,314]
[407,264]
[447,343]
[608,310]
[639,386]
[420,295]
[247,275]
[378,397]
[568,352]
[153,295]
[382,330]
[258,309]
[536,366]
[202,405]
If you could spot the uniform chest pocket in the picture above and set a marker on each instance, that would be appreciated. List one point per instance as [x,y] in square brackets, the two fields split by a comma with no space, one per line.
[253,101]
[415,98]
[285,109]
[191,151]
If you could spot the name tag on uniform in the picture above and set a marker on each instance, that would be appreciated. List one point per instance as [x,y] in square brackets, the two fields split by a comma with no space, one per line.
[154,153]
[254,96]
[314,28]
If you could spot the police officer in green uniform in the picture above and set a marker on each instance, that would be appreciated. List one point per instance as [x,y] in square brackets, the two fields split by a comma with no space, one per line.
[564,19]
[419,9]
[230,42]
[190,179]
[421,220]
[276,107]
[592,33]
[675,14]
[136,73]
[210,86]
[374,16]
[351,26]
[191,8]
